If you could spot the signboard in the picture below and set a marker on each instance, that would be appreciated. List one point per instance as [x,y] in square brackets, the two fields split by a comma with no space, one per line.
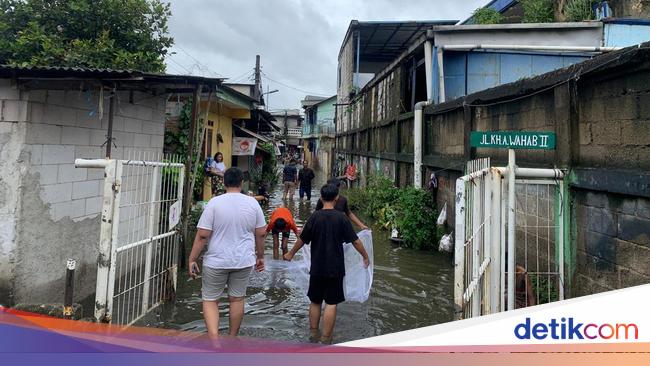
[244,145]
[174,214]
[513,140]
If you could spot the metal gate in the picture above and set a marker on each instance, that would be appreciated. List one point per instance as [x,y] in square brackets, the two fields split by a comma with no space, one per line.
[138,245]
[499,266]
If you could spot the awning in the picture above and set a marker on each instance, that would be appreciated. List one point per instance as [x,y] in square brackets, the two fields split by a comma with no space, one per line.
[253,134]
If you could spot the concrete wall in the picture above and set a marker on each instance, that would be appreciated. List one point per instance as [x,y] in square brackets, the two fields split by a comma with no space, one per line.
[603,138]
[588,34]
[613,244]
[55,206]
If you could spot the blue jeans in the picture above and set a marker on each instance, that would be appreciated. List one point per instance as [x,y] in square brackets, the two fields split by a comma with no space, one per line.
[302,191]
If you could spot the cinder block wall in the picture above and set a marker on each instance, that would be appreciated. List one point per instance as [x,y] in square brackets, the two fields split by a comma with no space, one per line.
[613,242]
[59,205]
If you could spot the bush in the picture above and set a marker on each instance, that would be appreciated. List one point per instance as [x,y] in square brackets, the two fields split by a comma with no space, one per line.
[409,210]
[579,10]
[538,11]
[416,218]
[487,16]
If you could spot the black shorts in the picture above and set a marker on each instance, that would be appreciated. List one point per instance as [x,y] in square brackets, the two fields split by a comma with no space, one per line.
[329,289]
[285,234]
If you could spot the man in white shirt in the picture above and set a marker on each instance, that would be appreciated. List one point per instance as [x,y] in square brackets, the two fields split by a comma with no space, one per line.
[233,227]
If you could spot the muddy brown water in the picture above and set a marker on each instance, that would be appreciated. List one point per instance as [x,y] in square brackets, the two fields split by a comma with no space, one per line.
[411,289]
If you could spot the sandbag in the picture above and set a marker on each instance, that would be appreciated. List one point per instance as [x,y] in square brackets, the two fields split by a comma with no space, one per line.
[358,280]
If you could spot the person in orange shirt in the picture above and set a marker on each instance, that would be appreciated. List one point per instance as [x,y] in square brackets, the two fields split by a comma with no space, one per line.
[281,222]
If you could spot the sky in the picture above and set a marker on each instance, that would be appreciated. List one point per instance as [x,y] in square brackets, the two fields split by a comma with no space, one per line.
[298,40]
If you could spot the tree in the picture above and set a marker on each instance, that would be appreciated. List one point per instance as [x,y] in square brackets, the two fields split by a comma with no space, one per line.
[116,34]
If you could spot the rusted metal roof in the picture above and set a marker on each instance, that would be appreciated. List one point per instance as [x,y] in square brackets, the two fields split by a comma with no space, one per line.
[72,73]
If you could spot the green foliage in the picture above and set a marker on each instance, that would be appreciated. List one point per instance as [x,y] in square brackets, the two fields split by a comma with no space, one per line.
[381,191]
[487,16]
[117,34]
[545,288]
[410,210]
[579,10]
[268,174]
[178,141]
[538,11]
[416,218]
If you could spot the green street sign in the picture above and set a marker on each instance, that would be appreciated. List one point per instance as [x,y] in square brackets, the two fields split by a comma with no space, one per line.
[513,140]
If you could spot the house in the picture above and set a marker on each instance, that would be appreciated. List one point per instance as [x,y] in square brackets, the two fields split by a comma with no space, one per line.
[50,210]
[290,123]
[375,114]
[412,117]
[229,118]
[318,131]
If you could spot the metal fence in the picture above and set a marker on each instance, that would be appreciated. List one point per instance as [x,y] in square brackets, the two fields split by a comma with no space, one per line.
[503,260]
[137,263]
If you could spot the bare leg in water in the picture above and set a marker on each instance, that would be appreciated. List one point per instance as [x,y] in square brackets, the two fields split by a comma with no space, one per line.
[236,314]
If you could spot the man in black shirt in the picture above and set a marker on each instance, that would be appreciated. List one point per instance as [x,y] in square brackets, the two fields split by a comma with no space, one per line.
[289,178]
[342,205]
[326,230]
[305,177]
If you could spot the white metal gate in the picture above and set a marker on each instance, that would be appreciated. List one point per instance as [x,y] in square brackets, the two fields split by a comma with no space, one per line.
[138,247]
[499,266]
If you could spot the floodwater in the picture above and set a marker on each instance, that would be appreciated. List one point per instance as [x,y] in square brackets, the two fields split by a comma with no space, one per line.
[411,289]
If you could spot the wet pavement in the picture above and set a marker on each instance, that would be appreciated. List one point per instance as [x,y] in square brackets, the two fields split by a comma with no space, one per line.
[411,289]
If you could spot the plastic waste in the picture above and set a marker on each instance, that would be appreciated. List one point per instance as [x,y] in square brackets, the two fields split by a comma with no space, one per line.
[358,279]
[442,218]
[446,243]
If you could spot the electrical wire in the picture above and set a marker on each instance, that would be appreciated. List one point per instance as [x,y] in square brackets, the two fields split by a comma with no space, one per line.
[293,87]
[197,61]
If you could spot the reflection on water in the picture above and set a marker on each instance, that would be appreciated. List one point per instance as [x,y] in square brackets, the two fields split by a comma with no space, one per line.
[411,289]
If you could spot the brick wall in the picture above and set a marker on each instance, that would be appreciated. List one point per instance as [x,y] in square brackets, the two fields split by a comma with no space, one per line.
[601,122]
[613,241]
[56,212]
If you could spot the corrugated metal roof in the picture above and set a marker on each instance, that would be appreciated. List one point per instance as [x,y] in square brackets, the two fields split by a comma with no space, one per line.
[68,72]
[385,40]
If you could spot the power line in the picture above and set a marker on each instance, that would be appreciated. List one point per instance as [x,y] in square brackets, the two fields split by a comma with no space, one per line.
[197,61]
[295,88]
[244,76]
[179,64]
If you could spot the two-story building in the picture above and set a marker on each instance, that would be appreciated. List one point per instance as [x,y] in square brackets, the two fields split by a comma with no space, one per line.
[318,131]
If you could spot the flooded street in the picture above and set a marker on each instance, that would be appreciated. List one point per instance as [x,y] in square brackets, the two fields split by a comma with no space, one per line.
[411,289]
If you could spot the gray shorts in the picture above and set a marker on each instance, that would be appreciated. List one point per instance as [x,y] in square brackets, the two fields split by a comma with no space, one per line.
[214,281]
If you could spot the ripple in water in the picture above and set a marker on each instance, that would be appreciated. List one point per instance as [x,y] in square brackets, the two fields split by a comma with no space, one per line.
[411,289]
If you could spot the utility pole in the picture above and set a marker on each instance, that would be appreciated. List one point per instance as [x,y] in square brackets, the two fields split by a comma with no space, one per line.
[258,80]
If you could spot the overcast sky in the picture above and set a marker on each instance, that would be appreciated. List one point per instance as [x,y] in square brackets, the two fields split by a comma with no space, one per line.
[298,40]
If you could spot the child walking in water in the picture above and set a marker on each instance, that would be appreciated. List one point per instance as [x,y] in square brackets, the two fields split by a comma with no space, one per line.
[326,230]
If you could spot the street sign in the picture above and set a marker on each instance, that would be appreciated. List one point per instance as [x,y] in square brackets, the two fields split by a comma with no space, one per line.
[513,140]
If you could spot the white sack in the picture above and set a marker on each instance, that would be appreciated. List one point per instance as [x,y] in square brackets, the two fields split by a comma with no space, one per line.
[358,280]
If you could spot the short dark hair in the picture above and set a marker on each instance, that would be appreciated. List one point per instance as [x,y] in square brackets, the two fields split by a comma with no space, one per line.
[329,192]
[280,224]
[233,177]
[293,161]
[334,181]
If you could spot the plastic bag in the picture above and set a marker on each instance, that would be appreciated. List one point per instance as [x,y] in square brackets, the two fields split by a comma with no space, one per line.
[446,243]
[358,280]
[442,218]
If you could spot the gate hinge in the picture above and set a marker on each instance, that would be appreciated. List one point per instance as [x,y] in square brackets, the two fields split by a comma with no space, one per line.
[116,186]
